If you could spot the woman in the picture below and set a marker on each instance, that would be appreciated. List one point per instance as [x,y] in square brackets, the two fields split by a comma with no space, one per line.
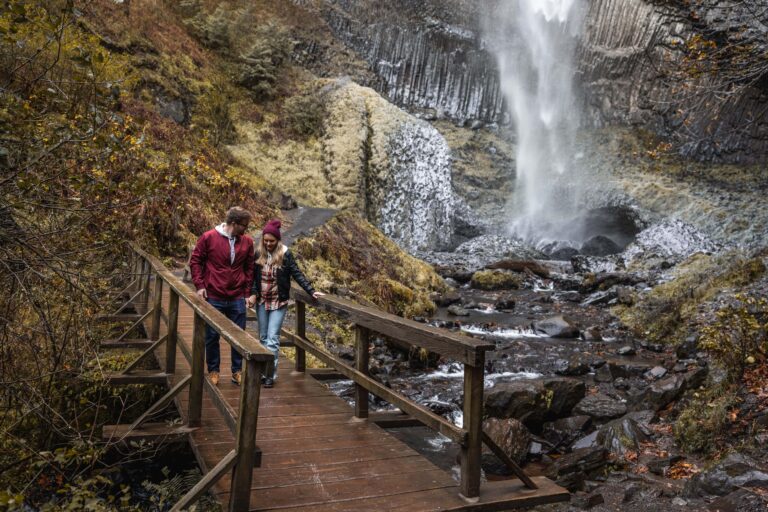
[275,265]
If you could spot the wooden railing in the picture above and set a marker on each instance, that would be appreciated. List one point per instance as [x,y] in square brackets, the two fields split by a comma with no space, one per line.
[242,423]
[468,351]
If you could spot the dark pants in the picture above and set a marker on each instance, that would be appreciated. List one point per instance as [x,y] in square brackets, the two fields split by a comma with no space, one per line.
[235,311]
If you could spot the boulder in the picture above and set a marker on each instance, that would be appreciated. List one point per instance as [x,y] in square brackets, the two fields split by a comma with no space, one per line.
[577,364]
[556,327]
[564,431]
[446,299]
[628,369]
[571,470]
[521,266]
[534,401]
[564,253]
[600,407]
[592,333]
[621,435]
[457,310]
[658,395]
[505,304]
[734,472]
[495,280]
[600,246]
[510,435]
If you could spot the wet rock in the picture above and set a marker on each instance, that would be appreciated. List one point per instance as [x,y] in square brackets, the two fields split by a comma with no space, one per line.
[733,472]
[576,365]
[588,441]
[656,372]
[621,435]
[659,394]
[626,350]
[621,383]
[534,401]
[510,435]
[628,369]
[592,333]
[600,407]
[603,374]
[600,246]
[571,470]
[653,347]
[696,378]
[446,299]
[456,310]
[588,501]
[644,418]
[742,500]
[585,264]
[556,327]
[570,296]
[564,431]
[603,297]
[505,304]
[521,266]
[564,253]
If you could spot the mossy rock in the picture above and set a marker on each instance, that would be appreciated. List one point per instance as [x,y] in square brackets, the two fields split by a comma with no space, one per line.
[495,280]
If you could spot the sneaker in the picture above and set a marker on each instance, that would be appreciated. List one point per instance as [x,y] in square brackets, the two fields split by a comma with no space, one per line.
[269,382]
[237,377]
[214,376]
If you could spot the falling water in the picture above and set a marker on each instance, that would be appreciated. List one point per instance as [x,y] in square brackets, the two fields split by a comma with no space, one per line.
[534,42]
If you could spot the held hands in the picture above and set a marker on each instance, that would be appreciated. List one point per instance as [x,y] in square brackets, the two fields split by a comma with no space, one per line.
[202,293]
[250,301]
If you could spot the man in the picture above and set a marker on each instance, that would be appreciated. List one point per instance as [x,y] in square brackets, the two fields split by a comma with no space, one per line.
[222,270]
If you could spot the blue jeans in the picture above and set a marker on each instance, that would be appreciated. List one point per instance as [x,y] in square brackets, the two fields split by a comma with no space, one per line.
[235,311]
[270,323]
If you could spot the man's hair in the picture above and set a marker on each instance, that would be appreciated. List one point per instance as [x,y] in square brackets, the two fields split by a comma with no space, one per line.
[237,215]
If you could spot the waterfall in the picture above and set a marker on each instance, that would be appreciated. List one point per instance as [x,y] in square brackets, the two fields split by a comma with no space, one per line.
[534,42]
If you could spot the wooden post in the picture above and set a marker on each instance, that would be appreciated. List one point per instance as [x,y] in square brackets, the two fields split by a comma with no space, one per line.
[157,305]
[198,372]
[137,272]
[301,331]
[473,423]
[245,437]
[362,357]
[173,335]
[147,276]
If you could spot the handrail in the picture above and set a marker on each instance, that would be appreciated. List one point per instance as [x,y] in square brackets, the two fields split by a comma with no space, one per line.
[461,348]
[248,346]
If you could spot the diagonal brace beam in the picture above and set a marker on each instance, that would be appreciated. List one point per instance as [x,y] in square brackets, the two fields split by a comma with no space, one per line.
[135,325]
[161,403]
[213,476]
[128,302]
[144,354]
[502,455]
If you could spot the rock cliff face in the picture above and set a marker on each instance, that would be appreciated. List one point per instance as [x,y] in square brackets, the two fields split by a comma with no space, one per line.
[426,55]
[431,57]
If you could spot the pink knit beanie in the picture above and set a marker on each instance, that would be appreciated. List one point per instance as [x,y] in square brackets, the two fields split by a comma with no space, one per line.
[273,228]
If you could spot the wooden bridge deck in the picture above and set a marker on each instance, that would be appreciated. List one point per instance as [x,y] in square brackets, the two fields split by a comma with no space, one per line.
[316,456]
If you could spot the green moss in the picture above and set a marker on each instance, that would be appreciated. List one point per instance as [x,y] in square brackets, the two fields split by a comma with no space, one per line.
[704,420]
[666,313]
[495,280]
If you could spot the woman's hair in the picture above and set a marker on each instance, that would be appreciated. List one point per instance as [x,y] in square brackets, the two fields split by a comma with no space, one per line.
[277,255]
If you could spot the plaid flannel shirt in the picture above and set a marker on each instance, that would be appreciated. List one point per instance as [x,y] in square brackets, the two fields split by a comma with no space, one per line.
[269,296]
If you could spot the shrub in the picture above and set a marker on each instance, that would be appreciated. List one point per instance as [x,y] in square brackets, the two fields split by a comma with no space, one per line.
[303,116]
[704,421]
[740,332]
[495,280]
[260,64]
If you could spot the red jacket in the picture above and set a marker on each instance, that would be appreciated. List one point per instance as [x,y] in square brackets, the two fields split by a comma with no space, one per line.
[211,268]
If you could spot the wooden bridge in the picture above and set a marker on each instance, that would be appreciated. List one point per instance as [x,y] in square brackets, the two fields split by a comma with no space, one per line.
[311,451]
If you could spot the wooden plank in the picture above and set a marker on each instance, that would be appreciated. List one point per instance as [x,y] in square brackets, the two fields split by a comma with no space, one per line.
[461,348]
[148,352]
[393,419]
[198,362]
[150,432]
[306,475]
[120,317]
[346,439]
[495,496]
[320,493]
[335,456]
[424,415]
[325,373]
[141,377]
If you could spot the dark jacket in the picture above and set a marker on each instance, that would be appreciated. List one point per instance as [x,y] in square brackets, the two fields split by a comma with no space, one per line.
[284,274]
[211,267]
